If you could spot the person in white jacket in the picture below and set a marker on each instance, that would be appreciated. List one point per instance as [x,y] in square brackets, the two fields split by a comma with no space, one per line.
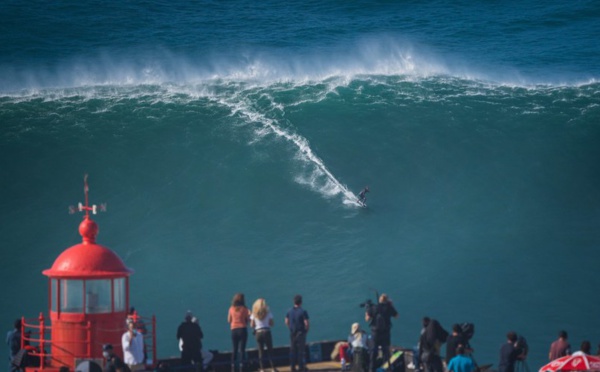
[133,347]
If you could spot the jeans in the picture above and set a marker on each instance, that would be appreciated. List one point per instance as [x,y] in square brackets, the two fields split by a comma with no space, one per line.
[383,339]
[297,347]
[239,337]
[416,359]
[264,339]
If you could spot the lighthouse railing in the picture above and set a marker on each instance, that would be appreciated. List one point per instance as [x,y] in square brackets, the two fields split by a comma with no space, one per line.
[36,339]
[43,351]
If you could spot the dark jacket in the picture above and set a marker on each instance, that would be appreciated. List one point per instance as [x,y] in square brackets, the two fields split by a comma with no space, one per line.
[381,317]
[191,334]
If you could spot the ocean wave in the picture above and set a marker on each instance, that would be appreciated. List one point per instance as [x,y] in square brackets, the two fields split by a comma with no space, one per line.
[369,89]
[376,56]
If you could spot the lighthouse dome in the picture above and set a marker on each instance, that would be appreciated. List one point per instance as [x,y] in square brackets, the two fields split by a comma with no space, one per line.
[88,259]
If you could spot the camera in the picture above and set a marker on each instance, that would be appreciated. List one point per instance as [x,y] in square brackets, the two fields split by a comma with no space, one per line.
[367,303]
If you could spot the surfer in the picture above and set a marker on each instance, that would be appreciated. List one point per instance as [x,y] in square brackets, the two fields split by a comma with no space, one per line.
[362,196]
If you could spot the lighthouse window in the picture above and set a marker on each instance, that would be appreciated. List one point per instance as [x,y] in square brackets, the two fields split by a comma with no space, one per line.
[97,296]
[119,294]
[71,296]
[53,295]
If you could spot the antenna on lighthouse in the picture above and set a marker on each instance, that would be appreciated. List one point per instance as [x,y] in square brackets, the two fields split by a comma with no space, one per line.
[80,207]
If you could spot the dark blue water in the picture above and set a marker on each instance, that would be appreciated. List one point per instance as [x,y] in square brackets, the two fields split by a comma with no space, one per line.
[230,139]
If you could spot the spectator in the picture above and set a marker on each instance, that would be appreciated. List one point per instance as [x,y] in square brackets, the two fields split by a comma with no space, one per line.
[358,346]
[13,340]
[379,318]
[416,359]
[560,347]
[238,318]
[133,347]
[456,338]
[262,321]
[461,362]
[586,347]
[509,353]
[113,362]
[190,337]
[296,320]
[430,345]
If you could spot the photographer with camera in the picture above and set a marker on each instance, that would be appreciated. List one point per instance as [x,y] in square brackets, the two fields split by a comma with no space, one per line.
[512,351]
[379,318]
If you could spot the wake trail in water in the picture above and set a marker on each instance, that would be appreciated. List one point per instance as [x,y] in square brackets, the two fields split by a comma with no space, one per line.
[330,187]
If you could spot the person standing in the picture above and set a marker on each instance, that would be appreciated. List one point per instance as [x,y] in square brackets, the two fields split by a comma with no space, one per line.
[461,362]
[113,362]
[380,320]
[456,338]
[133,347]
[190,337]
[13,340]
[509,353]
[560,347]
[430,343]
[262,321]
[297,321]
[416,357]
[238,318]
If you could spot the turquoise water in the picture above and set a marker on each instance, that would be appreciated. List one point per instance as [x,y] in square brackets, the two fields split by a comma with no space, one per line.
[229,139]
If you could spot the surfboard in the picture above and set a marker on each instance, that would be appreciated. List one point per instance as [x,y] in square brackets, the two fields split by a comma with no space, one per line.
[360,203]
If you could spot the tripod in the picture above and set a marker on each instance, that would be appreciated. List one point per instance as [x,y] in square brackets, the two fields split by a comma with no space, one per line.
[521,366]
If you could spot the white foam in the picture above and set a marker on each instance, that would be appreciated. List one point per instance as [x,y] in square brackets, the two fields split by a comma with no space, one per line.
[377,55]
[318,177]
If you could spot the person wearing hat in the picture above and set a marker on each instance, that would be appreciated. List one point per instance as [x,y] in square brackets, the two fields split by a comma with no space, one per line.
[113,362]
[358,346]
[133,347]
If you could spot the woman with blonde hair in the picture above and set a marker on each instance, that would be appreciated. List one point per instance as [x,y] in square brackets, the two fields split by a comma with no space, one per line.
[238,318]
[262,321]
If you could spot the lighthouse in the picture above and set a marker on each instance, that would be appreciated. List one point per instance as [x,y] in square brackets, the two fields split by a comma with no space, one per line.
[88,294]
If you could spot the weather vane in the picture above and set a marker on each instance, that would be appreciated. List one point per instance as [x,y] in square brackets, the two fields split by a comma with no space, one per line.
[80,207]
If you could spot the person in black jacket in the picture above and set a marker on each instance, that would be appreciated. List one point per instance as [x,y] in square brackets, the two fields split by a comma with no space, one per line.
[509,353]
[430,344]
[191,336]
[455,339]
[380,320]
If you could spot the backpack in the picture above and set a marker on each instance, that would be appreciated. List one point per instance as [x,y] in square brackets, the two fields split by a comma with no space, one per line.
[379,323]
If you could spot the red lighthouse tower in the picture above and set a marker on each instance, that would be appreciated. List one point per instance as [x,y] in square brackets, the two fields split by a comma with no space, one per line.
[88,299]
[89,296]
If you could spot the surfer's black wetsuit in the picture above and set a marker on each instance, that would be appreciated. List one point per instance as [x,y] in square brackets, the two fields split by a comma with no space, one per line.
[363,195]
